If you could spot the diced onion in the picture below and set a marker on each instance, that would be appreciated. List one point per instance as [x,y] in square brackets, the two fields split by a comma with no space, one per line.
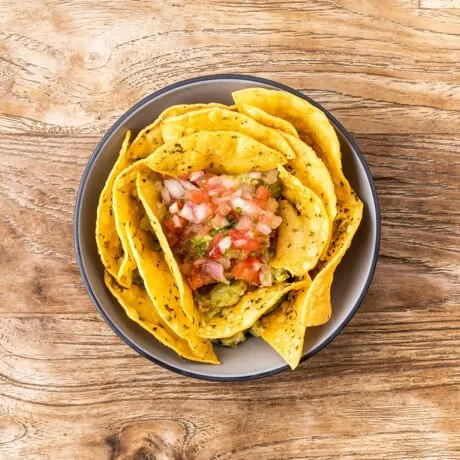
[263,228]
[187,212]
[196,175]
[214,180]
[174,208]
[201,212]
[174,188]
[224,244]
[245,223]
[246,206]
[165,195]
[188,185]
[229,181]
[215,271]
[176,221]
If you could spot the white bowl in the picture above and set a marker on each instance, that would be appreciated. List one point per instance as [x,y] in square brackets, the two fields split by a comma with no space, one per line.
[254,358]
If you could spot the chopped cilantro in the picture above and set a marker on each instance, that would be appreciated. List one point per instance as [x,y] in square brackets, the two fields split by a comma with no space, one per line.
[199,246]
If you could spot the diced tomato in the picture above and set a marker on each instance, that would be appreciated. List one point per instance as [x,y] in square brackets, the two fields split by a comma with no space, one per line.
[237,234]
[245,270]
[250,245]
[199,196]
[172,239]
[169,225]
[184,177]
[262,193]
[197,280]
[246,242]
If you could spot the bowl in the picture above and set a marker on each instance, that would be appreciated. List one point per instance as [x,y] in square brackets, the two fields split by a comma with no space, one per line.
[254,358]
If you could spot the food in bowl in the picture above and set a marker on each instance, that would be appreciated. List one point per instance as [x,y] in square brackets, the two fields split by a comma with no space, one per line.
[221,221]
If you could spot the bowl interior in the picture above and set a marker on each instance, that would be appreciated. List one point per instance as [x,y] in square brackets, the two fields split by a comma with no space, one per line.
[253,358]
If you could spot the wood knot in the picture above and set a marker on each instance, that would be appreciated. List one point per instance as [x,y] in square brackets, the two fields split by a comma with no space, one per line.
[148,440]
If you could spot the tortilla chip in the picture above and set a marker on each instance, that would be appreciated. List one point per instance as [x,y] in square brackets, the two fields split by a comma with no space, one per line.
[311,123]
[284,328]
[125,203]
[247,311]
[312,172]
[163,292]
[141,310]
[218,119]
[304,231]
[150,137]
[159,282]
[108,243]
[150,197]
[319,294]
[269,120]
[223,152]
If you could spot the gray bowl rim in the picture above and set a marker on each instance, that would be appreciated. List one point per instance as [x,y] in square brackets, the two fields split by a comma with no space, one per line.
[87,171]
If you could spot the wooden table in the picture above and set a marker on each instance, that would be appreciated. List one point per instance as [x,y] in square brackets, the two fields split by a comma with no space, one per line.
[387,387]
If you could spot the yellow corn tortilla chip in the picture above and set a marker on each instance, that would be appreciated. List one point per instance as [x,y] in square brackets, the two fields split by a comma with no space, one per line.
[150,137]
[311,123]
[284,328]
[108,243]
[158,280]
[140,309]
[124,204]
[219,119]
[247,311]
[163,292]
[150,197]
[269,120]
[110,248]
[304,231]
[312,172]
[224,152]
[345,226]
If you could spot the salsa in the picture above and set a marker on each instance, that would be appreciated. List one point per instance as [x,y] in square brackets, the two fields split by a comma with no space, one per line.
[222,228]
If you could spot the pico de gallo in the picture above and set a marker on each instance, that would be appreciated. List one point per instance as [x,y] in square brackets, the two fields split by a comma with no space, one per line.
[222,228]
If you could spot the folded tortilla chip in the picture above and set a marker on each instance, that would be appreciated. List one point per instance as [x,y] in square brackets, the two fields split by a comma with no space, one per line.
[108,243]
[219,119]
[269,120]
[311,123]
[223,152]
[159,282]
[149,195]
[140,309]
[312,172]
[345,226]
[284,328]
[304,231]
[150,137]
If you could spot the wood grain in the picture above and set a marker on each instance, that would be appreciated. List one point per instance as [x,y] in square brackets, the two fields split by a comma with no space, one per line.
[387,387]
